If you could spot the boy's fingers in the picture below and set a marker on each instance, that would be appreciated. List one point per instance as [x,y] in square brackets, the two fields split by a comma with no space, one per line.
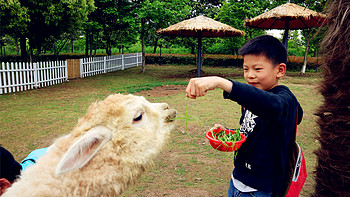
[196,88]
[189,91]
[190,96]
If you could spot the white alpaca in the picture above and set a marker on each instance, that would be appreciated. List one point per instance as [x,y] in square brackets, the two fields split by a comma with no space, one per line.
[106,152]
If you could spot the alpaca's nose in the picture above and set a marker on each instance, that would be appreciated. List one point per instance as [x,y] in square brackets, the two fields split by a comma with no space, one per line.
[171,115]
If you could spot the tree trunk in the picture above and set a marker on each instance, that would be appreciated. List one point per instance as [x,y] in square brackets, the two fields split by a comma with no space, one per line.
[91,42]
[192,49]
[72,45]
[23,43]
[143,45]
[95,45]
[303,69]
[17,48]
[108,45]
[86,44]
[155,45]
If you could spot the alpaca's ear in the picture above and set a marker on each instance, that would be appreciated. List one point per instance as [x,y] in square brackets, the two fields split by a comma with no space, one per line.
[84,149]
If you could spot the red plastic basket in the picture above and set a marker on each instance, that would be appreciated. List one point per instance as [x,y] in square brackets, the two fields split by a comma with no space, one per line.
[225,146]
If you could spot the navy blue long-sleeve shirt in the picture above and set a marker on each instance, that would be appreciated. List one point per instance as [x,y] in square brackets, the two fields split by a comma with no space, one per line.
[269,122]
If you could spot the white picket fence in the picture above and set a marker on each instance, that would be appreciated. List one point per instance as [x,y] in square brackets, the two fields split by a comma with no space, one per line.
[97,65]
[17,76]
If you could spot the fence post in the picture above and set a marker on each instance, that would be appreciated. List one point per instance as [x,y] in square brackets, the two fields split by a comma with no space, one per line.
[81,68]
[123,62]
[66,69]
[2,68]
[137,59]
[104,64]
[35,70]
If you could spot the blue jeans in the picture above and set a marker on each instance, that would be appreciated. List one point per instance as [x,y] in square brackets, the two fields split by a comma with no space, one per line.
[234,192]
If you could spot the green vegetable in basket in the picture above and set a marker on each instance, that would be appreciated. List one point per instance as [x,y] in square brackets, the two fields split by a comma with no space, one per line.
[230,137]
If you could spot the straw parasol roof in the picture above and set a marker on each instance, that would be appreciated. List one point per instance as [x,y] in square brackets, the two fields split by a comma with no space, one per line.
[200,26]
[297,16]
[287,16]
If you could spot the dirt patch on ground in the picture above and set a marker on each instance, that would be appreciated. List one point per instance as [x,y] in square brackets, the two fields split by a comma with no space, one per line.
[164,90]
[179,192]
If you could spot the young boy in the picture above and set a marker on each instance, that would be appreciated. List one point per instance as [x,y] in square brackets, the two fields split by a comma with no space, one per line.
[268,117]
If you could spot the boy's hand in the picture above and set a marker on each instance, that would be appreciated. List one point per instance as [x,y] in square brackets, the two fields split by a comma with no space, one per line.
[199,86]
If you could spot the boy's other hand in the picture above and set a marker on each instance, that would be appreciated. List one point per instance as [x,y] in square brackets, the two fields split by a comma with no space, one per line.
[217,126]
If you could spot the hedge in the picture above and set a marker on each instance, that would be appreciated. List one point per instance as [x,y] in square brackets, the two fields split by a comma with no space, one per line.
[293,63]
[213,60]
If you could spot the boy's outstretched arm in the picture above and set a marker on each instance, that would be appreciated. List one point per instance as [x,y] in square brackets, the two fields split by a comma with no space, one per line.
[199,86]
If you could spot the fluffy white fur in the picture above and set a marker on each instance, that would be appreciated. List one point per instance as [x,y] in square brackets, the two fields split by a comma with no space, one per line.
[106,152]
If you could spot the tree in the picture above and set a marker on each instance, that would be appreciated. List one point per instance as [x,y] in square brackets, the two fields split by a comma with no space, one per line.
[45,21]
[13,21]
[234,12]
[112,18]
[311,33]
[152,15]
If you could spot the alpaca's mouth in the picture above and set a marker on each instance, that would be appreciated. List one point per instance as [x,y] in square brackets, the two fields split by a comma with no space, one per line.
[171,115]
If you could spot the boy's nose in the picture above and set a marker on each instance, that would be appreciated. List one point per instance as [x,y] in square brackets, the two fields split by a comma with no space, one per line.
[251,75]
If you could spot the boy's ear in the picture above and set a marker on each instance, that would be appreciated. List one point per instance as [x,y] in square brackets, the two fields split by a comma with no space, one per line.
[4,184]
[282,67]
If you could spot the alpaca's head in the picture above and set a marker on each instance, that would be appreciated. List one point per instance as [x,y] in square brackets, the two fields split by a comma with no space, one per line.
[128,126]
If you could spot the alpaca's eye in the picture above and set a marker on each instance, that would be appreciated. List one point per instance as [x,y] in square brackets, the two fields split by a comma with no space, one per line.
[138,117]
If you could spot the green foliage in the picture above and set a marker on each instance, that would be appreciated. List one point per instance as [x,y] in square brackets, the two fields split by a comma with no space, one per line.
[118,25]
[44,23]
[112,21]
[14,17]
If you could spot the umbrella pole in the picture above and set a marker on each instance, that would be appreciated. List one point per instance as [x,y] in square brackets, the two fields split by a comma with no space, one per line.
[285,36]
[199,56]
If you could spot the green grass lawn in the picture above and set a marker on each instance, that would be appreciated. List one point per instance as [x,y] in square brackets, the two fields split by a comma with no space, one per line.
[187,165]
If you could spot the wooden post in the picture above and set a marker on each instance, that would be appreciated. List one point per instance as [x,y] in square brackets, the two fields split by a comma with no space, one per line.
[73,68]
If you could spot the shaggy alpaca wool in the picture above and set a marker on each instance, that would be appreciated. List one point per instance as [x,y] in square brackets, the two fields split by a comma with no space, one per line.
[105,153]
[333,167]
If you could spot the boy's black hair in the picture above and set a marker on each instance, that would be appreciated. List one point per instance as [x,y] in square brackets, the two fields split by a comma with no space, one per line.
[268,46]
[9,168]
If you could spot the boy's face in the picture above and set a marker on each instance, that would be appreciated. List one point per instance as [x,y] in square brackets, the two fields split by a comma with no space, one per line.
[261,73]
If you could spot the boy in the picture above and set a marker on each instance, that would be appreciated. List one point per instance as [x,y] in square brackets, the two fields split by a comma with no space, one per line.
[9,169]
[268,117]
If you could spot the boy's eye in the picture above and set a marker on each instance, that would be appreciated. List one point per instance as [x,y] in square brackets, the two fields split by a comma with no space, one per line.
[258,68]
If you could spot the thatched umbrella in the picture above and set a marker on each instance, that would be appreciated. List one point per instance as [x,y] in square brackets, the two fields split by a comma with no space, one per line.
[199,27]
[287,16]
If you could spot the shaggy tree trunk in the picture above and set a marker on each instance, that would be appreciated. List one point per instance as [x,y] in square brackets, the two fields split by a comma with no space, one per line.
[333,156]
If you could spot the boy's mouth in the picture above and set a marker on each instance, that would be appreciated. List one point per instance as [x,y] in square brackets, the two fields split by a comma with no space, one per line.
[253,83]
